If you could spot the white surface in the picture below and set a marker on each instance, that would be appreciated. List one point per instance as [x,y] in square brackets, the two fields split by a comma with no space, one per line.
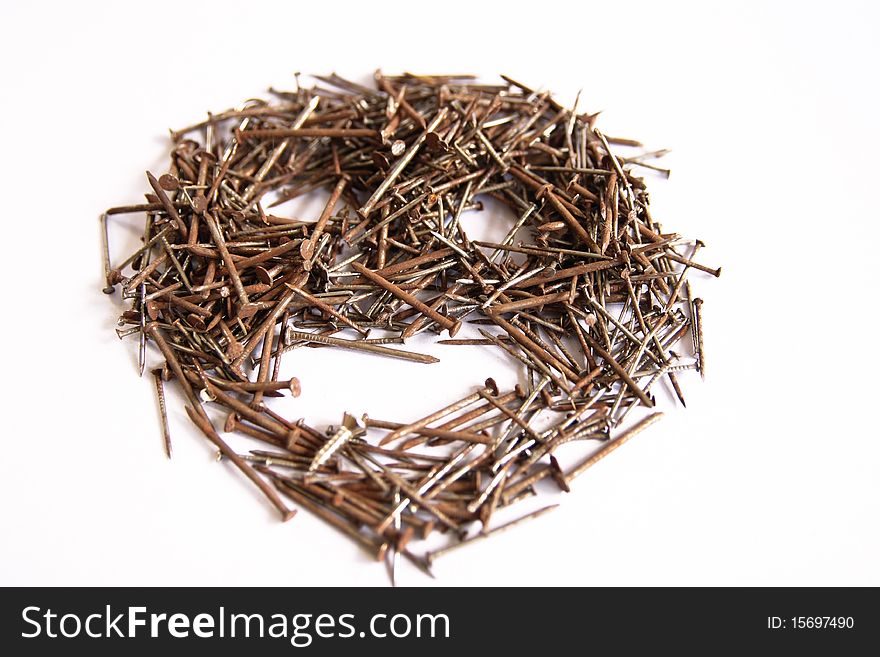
[769,477]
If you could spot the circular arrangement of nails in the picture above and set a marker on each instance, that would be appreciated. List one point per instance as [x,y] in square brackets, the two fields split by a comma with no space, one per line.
[585,292]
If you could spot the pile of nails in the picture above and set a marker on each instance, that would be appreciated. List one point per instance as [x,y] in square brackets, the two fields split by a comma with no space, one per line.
[585,292]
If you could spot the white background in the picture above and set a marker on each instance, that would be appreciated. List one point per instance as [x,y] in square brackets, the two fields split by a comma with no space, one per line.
[769,477]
